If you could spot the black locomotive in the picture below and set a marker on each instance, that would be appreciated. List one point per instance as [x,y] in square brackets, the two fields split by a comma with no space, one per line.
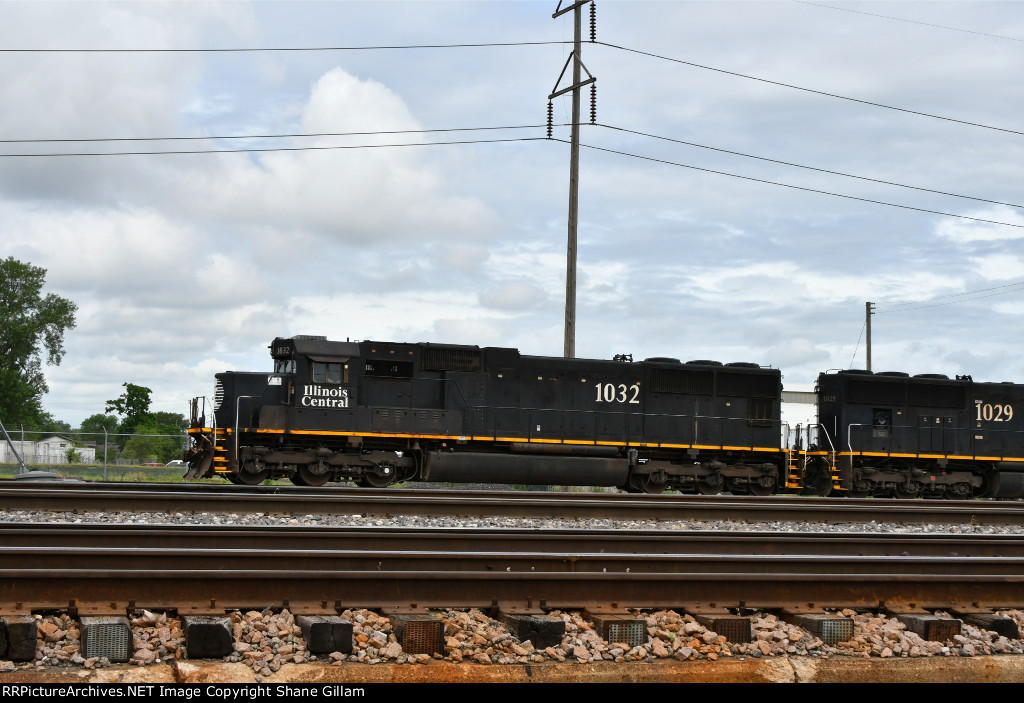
[378,412]
[889,434]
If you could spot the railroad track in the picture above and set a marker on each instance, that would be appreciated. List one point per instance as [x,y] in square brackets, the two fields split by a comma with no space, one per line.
[115,567]
[287,500]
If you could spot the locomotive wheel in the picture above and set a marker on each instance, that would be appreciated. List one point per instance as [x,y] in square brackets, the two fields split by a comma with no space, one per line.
[904,493]
[736,488]
[375,480]
[957,491]
[709,488]
[246,478]
[757,489]
[818,481]
[649,485]
[304,476]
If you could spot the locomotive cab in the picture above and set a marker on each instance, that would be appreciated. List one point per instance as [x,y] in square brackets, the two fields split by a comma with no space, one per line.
[926,435]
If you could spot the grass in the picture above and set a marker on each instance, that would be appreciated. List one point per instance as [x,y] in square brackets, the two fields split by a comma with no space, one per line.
[94,472]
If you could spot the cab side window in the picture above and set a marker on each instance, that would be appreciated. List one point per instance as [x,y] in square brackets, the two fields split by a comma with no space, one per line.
[330,372]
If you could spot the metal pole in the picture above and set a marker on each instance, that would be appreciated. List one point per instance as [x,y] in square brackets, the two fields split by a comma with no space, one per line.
[867,316]
[574,164]
[574,188]
[104,454]
[21,462]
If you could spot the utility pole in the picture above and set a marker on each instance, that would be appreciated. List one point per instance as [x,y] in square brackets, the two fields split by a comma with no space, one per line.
[574,161]
[869,311]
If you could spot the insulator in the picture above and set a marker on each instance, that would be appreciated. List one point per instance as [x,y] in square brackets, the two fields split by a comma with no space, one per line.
[593,103]
[551,115]
[593,21]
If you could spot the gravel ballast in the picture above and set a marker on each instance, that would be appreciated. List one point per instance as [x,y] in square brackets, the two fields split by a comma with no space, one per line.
[266,640]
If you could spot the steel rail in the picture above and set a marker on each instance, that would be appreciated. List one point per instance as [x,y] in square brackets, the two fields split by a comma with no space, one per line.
[352,561]
[525,571]
[286,500]
[283,538]
[184,589]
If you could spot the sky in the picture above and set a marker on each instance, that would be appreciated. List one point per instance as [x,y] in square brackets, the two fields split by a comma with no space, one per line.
[187,264]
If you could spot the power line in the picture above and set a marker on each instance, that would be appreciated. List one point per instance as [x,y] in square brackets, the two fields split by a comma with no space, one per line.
[269,136]
[445,130]
[953,302]
[809,168]
[810,90]
[966,295]
[268,149]
[398,47]
[505,140]
[280,49]
[787,185]
[863,325]
[901,19]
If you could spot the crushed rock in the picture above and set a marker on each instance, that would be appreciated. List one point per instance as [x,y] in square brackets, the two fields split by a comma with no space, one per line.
[156,637]
[264,640]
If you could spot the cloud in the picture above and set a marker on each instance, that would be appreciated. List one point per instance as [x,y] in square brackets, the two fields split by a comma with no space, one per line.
[360,196]
[184,265]
[966,232]
[998,266]
[513,296]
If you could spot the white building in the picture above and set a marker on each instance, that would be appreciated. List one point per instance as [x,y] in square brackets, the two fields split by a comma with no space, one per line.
[49,450]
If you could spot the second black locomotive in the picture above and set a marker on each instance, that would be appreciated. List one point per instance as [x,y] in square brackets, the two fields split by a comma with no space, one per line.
[378,412]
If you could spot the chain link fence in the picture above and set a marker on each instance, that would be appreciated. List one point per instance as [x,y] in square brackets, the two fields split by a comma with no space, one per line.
[93,455]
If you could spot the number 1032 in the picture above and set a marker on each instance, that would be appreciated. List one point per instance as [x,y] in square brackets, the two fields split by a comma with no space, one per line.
[611,393]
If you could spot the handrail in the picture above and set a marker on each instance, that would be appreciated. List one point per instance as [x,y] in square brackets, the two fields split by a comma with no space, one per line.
[849,434]
[830,444]
[238,402]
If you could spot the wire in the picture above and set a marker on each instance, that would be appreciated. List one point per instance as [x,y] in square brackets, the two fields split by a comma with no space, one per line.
[901,19]
[965,297]
[811,90]
[269,49]
[951,295]
[269,136]
[809,168]
[787,185]
[426,131]
[267,149]
[953,302]
[859,337]
[492,141]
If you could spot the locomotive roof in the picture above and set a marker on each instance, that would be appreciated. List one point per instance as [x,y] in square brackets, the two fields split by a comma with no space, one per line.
[902,377]
[322,347]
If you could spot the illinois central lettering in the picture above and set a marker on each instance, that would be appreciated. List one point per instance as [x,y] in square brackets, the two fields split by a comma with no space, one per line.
[316,396]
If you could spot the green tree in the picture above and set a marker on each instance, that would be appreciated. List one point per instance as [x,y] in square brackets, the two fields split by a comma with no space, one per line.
[93,426]
[170,423]
[157,438]
[92,429]
[31,325]
[133,404]
[48,423]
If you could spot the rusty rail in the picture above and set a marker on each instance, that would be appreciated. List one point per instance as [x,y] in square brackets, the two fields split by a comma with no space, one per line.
[288,500]
[529,571]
